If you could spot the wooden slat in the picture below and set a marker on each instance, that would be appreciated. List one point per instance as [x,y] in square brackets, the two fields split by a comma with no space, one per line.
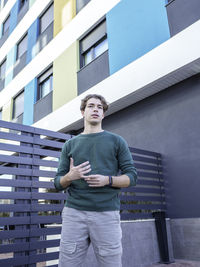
[144,159]
[26,172]
[142,207]
[133,216]
[142,198]
[29,233]
[29,129]
[148,167]
[144,152]
[28,161]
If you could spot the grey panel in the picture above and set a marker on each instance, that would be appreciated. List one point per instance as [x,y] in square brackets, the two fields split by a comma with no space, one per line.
[43,107]
[44,38]
[4,38]
[80,4]
[182,13]
[20,64]
[93,37]
[22,12]
[2,84]
[168,122]
[93,73]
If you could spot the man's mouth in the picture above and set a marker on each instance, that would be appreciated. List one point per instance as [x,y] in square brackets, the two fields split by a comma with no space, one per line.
[95,116]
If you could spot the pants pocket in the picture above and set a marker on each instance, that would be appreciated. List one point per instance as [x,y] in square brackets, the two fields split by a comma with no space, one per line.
[68,247]
[110,250]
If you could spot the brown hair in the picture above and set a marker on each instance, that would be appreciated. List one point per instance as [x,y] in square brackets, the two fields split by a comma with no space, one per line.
[87,97]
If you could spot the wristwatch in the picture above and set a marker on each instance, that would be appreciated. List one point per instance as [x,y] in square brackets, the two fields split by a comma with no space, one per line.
[110,180]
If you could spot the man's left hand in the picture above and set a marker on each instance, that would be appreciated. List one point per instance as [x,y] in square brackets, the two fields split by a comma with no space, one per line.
[97,180]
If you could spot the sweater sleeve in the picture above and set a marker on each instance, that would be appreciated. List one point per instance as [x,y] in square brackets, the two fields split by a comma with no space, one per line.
[63,167]
[126,164]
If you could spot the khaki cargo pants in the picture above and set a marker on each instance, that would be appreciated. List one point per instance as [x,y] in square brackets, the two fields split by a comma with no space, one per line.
[79,228]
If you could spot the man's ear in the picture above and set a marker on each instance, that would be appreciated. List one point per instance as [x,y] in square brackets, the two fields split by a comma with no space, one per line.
[82,112]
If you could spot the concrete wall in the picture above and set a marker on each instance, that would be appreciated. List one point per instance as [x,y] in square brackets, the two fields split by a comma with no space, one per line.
[186,238]
[140,246]
[168,122]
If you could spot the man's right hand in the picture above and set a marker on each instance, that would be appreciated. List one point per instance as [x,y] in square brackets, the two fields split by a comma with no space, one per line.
[77,172]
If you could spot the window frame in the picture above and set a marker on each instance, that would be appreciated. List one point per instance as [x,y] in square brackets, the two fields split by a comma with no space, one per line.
[84,44]
[46,75]
[42,16]
[2,63]
[22,39]
[3,27]
[22,5]
[14,105]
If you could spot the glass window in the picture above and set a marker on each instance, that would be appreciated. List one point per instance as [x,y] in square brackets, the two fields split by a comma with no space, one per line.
[22,47]
[22,3]
[46,86]
[18,105]
[3,70]
[45,83]
[6,25]
[95,51]
[46,19]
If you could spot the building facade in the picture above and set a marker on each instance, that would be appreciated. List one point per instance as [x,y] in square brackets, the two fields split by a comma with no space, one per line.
[143,56]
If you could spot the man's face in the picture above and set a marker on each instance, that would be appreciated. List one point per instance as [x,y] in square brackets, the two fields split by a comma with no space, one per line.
[93,113]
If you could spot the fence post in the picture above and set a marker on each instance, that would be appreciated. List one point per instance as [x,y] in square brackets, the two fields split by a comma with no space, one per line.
[161,230]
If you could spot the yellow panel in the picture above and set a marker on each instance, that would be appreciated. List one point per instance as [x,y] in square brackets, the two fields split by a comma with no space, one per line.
[7,111]
[65,77]
[64,11]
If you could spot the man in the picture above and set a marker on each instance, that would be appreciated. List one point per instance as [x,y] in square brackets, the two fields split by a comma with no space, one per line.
[89,166]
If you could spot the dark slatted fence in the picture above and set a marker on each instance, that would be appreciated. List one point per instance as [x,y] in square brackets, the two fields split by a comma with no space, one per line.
[30,207]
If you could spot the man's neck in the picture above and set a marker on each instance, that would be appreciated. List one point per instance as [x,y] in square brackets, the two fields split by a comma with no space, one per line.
[92,129]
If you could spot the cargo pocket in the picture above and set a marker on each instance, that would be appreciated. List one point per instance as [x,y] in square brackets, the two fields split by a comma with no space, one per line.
[68,247]
[110,250]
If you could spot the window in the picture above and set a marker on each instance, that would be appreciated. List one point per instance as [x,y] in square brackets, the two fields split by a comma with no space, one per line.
[3,70]
[6,25]
[93,44]
[45,83]
[22,46]
[95,51]
[18,105]
[46,19]
[22,3]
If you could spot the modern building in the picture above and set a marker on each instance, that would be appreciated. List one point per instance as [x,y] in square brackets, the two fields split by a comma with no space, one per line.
[142,55]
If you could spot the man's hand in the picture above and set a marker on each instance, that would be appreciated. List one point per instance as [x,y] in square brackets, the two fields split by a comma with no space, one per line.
[77,172]
[96,180]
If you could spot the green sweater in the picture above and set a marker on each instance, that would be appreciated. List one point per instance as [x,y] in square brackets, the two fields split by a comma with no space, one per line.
[107,153]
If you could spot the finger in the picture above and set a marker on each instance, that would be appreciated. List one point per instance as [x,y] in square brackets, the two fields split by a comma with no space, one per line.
[85,168]
[71,163]
[86,171]
[83,164]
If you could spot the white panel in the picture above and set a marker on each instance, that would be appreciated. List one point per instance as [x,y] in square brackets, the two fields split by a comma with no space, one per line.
[141,78]
[23,26]
[94,10]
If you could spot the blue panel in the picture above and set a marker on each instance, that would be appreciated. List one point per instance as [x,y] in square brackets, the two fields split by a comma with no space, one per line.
[29,96]
[11,56]
[134,28]
[32,39]
[13,16]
